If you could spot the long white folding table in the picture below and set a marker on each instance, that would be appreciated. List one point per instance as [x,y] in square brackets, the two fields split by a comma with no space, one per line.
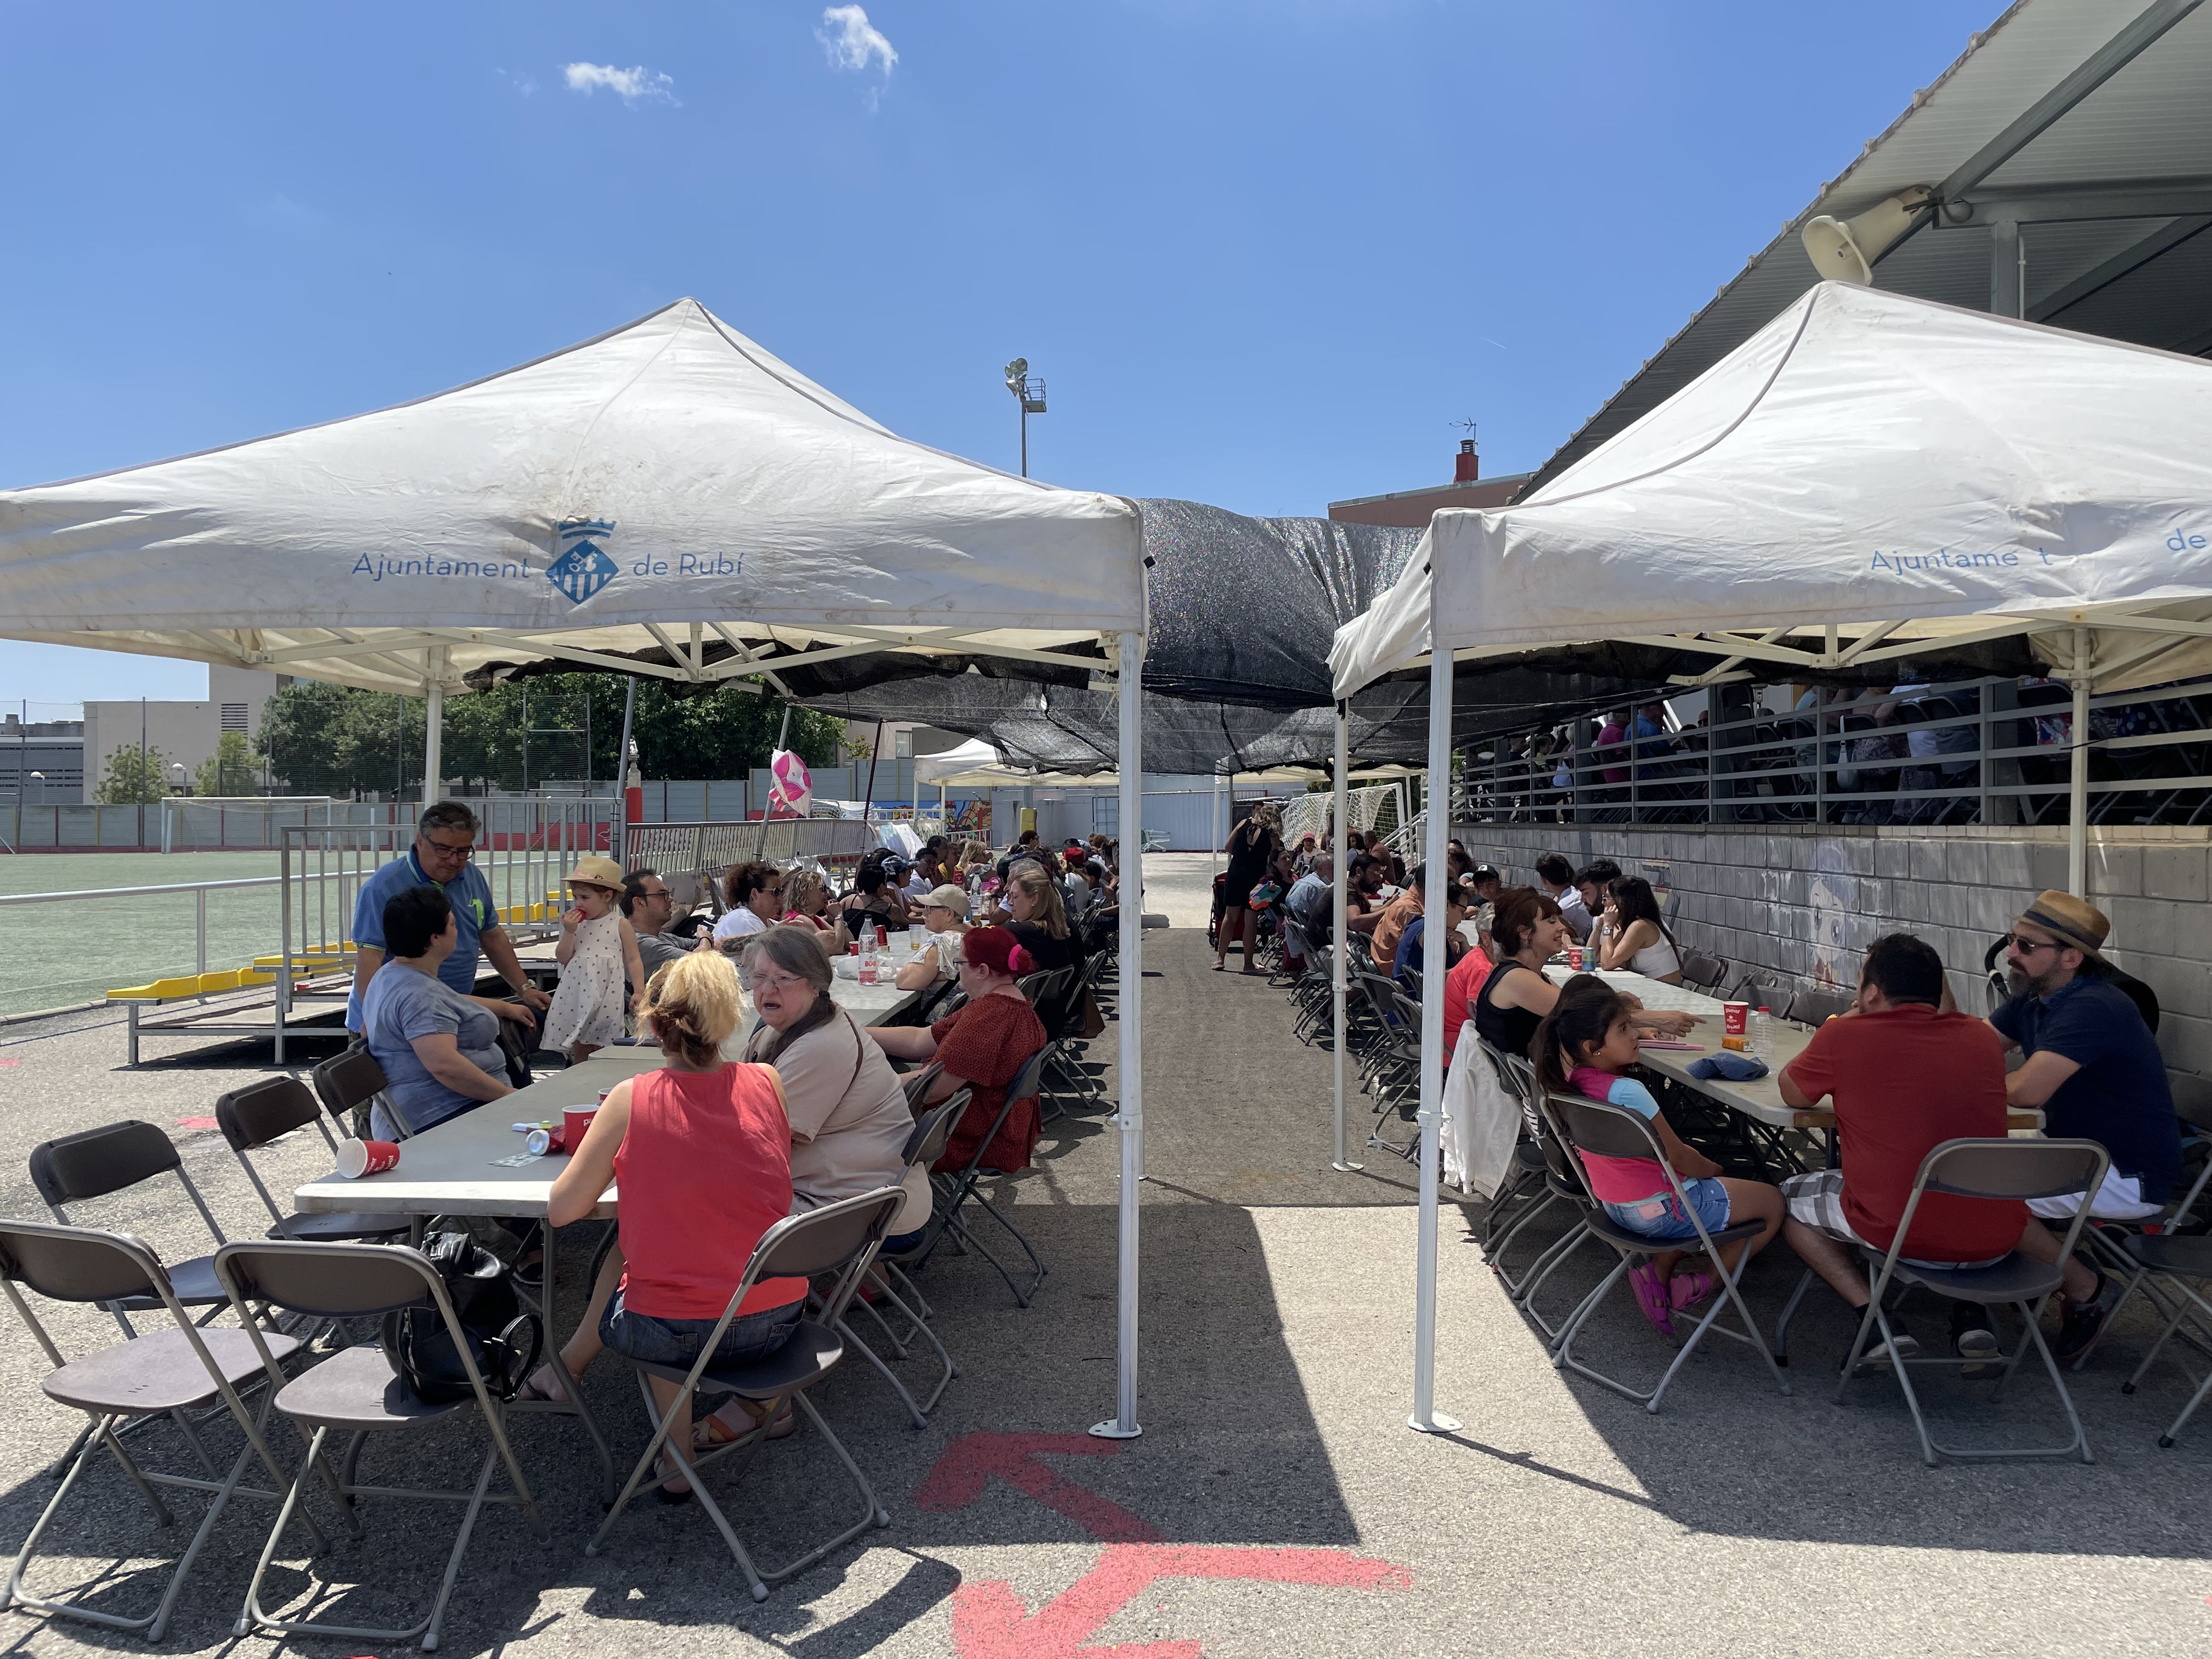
[1758,1099]
[476,1164]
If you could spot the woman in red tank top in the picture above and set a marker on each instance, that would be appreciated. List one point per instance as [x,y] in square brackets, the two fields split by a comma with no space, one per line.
[701,1152]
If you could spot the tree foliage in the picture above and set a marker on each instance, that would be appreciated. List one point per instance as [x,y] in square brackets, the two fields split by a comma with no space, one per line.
[329,740]
[134,779]
[231,770]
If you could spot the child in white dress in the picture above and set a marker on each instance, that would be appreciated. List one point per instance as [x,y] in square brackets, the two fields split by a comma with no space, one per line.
[597,947]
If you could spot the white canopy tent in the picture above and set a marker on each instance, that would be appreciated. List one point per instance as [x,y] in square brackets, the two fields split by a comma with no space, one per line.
[1868,479]
[668,489]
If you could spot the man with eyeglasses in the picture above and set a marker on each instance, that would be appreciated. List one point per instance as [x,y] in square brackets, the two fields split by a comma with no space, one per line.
[2094,1069]
[647,903]
[443,857]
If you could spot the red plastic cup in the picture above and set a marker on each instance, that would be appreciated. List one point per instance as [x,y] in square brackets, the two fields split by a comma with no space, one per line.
[357,1158]
[573,1121]
[1735,1016]
[883,936]
[854,949]
[1574,958]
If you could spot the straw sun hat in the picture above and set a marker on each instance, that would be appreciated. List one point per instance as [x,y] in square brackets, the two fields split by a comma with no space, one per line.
[2070,920]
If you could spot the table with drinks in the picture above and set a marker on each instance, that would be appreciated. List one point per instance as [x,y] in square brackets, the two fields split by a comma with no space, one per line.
[501,1160]
[1768,1038]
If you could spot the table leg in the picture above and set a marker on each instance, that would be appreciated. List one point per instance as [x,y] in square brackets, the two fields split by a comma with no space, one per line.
[574,1405]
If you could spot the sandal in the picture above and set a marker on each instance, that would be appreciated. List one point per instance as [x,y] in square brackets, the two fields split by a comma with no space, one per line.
[1652,1296]
[715,1429]
[667,1468]
[543,1383]
[1688,1290]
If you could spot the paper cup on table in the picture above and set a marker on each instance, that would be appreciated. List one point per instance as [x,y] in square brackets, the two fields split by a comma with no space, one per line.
[1574,958]
[573,1121]
[357,1158]
[1735,1018]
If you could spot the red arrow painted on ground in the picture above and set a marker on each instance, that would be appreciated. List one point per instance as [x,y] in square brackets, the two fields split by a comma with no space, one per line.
[990,1622]
[968,1463]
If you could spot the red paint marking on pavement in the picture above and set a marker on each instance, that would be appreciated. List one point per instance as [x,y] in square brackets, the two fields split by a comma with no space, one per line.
[990,1622]
[196,1123]
[968,1463]
[10,1064]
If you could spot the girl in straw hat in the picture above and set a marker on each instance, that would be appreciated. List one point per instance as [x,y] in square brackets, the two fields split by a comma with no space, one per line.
[598,947]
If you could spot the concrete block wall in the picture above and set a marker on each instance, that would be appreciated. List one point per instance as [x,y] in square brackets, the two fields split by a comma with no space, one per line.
[1806,901]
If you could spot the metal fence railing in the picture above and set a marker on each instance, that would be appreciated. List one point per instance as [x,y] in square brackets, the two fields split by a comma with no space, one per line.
[1987,751]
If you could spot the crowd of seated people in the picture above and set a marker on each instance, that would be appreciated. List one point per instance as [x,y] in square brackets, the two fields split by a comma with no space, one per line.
[1903,1070]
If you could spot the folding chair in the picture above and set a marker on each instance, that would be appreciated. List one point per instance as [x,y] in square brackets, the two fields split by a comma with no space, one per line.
[1817,1004]
[94,1163]
[957,1189]
[170,1372]
[355,1393]
[254,1116]
[1995,1168]
[924,1146]
[2174,1260]
[1760,988]
[839,1239]
[2107,1241]
[1543,1178]
[1595,1127]
[350,1086]
[1703,972]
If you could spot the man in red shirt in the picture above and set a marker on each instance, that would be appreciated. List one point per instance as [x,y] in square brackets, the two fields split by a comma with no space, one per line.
[1905,1077]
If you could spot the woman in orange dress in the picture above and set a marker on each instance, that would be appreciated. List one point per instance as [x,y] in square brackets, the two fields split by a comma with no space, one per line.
[983,1045]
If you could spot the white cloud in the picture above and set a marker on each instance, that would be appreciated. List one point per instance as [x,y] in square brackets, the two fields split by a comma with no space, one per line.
[634,85]
[853,42]
[524,83]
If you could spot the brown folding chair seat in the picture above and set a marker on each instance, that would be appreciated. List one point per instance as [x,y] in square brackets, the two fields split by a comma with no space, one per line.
[254,1116]
[349,1084]
[838,1241]
[94,1162]
[356,1392]
[170,1372]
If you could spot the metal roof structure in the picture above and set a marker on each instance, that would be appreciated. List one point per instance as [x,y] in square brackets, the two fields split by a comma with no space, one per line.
[2068,156]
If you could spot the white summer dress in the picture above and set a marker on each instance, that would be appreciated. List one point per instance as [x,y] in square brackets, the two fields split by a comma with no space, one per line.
[587,1006]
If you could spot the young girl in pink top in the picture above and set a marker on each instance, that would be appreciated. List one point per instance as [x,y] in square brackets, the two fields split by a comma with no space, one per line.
[1583,1048]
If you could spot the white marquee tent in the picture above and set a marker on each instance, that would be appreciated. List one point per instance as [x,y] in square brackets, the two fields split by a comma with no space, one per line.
[668,488]
[1869,478]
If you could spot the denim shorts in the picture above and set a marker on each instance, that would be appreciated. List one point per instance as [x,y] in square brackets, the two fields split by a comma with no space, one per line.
[1662,1215]
[658,1341]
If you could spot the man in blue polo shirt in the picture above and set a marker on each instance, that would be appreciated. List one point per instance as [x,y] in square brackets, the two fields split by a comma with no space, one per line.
[2094,1069]
[444,844]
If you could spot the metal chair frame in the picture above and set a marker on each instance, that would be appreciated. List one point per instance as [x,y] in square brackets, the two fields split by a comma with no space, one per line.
[2049,1169]
[924,1146]
[46,1255]
[1613,1131]
[771,1258]
[956,1189]
[361,1280]
[254,1117]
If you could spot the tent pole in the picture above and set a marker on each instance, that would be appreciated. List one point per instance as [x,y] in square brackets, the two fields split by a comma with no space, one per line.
[1214,825]
[1129,1055]
[1340,846]
[433,724]
[1436,794]
[621,774]
[2077,814]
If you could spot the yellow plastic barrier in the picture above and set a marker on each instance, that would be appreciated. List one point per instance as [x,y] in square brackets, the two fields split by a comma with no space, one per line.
[226,981]
[133,994]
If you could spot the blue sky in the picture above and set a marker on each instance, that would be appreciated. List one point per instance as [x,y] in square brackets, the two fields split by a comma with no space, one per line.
[1263,254]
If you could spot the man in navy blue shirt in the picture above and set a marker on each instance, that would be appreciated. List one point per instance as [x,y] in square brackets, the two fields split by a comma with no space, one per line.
[445,845]
[2094,1069]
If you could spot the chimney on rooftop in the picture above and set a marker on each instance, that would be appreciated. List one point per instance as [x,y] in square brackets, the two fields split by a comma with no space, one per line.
[1468,465]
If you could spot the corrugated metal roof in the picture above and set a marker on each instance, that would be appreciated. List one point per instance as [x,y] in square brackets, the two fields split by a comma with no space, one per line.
[2150,122]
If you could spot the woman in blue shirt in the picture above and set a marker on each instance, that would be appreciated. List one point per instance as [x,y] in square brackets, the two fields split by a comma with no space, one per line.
[440,1050]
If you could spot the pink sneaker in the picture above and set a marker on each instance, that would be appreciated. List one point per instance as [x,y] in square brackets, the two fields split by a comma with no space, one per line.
[1652,1296]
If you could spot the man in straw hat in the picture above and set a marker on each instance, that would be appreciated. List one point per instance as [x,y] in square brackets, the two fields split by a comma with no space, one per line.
[2094,1069]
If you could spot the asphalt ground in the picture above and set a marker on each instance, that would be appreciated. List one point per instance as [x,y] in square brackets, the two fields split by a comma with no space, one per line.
[1276,1503]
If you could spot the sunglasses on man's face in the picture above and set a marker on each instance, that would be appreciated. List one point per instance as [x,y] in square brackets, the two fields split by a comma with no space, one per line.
[2027,946]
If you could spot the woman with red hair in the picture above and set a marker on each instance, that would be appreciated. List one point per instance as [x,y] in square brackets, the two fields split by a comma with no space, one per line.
[983,1045]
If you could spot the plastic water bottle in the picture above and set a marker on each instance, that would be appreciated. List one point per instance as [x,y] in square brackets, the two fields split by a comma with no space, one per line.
[1762,1034]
